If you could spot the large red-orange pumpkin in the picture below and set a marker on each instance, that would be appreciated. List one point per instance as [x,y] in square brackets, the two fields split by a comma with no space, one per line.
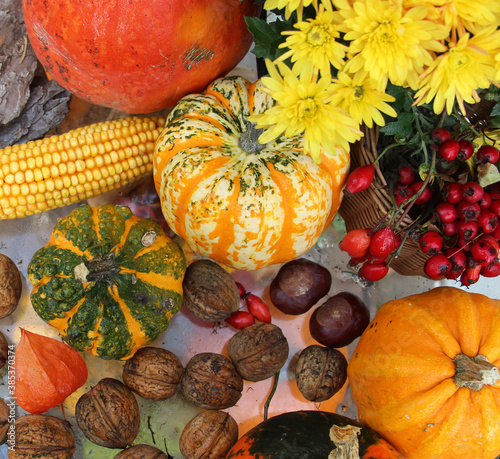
[138,56]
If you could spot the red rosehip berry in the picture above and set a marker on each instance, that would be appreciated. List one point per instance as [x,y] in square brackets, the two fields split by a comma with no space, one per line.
[373,272]
[468,211]
[495,207]
[383,243]
[493,241]
[491,270]
[452,192]
[482,252]
[466,150]
[446,212]
[258,308]
[448,150]
[463,244]
[360,178]
[402,194]
[440,135]
[356,242]
[240,320]
[430,242]
[472,192]
[458,261]
[487,221]
[407,175]
[467,230]
[425,194]
[470,275]
[450,228]
[241,289]
[485,201]
[437,266]
[487,154]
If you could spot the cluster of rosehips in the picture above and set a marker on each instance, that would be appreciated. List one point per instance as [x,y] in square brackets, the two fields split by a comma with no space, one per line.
[257,309]
[466,243]
[467,216]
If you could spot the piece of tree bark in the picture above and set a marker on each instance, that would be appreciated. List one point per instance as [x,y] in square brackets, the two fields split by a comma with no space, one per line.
[47,106]
[18,62]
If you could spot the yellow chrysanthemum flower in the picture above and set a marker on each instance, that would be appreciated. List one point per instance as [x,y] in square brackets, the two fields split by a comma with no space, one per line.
[465,15]
[456,75]
[303,107]
[295,5]
[289,5]
[388,42]
[314,43]
[359,96]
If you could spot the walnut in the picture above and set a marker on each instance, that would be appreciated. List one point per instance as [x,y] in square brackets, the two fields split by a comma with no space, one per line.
[11,286]
[4,350]
[43,436]
[4,421]
[258,351]
[153,373]
[210,434]
[320,372]
[108,414]
[211,382]
[210,292]
[141,452]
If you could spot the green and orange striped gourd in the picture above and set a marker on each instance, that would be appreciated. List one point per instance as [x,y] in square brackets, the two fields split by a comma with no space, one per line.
[239,202]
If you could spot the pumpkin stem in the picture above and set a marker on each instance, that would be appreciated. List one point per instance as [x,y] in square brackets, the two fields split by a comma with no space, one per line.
[249,140]
[346,442]
[474,373]
[100,269]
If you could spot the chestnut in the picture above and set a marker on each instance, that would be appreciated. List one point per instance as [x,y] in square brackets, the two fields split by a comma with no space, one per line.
[339,320]
[299,285]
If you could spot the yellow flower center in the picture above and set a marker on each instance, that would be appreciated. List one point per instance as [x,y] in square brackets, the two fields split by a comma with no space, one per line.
[458,59]
[307,108]
[358,92]
[318,36]
[386,32]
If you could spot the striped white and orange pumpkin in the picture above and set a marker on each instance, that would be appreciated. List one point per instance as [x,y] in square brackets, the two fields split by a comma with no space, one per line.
[245,209]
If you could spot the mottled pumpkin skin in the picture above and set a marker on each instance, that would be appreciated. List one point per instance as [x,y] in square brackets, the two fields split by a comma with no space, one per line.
[104,287]
[401,375]
[305,435]
[245,210]
[138,56]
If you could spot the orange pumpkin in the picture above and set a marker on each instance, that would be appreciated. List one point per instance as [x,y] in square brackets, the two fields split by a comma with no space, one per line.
[425,375]
[138,56]
[232,199]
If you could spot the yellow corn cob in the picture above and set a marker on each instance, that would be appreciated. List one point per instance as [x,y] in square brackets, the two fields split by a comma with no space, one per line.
[60,170]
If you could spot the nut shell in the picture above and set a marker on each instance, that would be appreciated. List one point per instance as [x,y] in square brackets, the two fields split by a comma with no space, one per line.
[4,421]
[153,373]
[258,351]
[4,350]
[211,382]
[42,436]
[11,286]
[108,414]
[141,452]
[210,434]
[210,292]
[320,372]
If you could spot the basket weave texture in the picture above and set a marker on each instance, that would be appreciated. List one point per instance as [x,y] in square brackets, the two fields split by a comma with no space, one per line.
[367,208]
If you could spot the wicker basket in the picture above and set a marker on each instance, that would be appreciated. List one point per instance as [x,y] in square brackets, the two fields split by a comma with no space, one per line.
[365,209]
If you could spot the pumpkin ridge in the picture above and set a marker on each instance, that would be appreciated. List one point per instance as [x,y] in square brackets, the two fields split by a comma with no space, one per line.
[61,323]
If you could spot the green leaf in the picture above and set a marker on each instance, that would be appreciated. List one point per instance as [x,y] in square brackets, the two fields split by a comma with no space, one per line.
[267,36]
[402,128]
